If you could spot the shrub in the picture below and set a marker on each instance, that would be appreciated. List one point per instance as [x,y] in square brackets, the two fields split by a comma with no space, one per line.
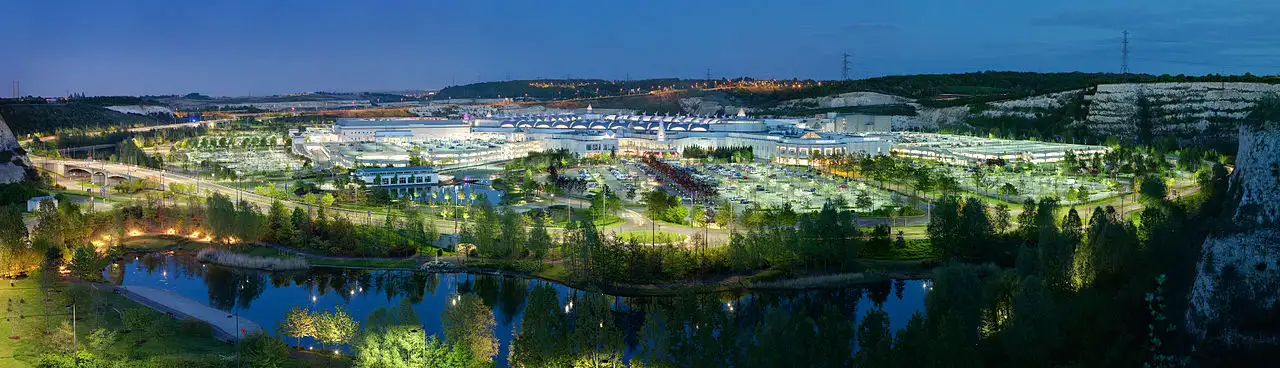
[183,361]
[196,328]
[138,319]
[163,327]
[85,358]
[101,339]
[260,350]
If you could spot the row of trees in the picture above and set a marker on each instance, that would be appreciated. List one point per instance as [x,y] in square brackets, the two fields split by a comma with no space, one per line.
[232,142]
[826,240]
[332,328]
[395,337]
[720,154]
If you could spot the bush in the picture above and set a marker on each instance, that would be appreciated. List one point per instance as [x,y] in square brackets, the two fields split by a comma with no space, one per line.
[85,358]
[138,319]
[101,339]
[164,327]
[260,350]
[183,361]
[196,328]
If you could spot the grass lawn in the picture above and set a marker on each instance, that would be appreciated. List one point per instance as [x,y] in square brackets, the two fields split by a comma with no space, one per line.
[916,250]
[370,263]
[643,237]
[367,263]
[155,242]
[559,220]
[95,309]
[548,271]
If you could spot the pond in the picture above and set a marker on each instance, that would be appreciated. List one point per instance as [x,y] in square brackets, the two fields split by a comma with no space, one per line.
[736,323]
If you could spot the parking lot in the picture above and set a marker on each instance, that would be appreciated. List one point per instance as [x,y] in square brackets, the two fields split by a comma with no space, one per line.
[770,186]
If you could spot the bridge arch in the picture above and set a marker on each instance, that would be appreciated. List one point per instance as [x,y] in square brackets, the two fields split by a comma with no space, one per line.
[77,172]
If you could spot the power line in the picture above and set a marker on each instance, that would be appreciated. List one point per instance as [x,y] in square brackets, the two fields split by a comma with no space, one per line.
[844,69]
[1124,55]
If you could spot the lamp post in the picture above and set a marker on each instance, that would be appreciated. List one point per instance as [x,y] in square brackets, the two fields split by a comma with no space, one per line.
[75,358]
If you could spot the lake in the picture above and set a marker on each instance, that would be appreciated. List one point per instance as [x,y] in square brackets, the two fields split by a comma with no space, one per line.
[737,323]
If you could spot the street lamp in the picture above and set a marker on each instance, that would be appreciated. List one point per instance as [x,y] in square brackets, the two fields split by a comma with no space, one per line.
[75,358]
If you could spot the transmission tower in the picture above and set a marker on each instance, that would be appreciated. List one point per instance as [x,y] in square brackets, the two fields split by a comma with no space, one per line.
[844,69]
[708,78]
[1124,55]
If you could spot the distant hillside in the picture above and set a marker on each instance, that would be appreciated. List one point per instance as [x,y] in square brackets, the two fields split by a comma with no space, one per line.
[32,118]
[942,90]
[549,89]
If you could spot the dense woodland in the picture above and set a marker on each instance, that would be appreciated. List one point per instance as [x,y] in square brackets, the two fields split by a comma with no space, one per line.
[27,118]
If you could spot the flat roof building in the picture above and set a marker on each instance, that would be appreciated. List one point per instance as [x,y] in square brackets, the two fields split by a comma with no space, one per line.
[396,176]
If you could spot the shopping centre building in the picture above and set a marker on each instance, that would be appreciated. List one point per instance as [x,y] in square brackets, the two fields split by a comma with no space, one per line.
[493,138]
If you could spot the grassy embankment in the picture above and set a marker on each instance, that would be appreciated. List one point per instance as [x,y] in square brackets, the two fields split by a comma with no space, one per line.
[96,309]
[646,237]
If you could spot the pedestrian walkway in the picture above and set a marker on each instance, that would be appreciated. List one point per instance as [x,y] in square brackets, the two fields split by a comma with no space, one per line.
[180,306]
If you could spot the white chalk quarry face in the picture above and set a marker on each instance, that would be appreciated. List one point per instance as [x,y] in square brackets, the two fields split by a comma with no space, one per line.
[9,171]
[1252,247]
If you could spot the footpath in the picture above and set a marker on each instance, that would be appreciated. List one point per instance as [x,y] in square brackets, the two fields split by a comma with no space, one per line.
[225,326]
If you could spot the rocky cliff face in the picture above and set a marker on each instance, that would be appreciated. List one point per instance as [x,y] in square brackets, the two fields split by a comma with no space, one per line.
[1239,272]
[1200,112]
[846,99]
[14,165]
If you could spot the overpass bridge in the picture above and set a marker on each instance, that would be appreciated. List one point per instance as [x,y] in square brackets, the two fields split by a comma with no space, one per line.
[97,174]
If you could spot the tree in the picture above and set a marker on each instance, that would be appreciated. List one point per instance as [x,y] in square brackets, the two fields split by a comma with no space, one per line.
[513,232]
[260,350]
[975,231]
[539,239]
[87,264]
[1152,189]
[1000,220]
[657,202]
[394,337]
[299,323]
[326,200]
[911,344]
[724,215]
[1033,329]
[698,217]
[863,201]
[954,310]
[1008,190]
[101,339]
[1027,225]
[401,346]
[13,232]
[336,328]
[944,227]
[220,214]
[468,324]
[874,340]
[543,337]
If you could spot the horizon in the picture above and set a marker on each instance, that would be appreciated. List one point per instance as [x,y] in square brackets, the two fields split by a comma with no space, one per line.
[243,48]
[615,81]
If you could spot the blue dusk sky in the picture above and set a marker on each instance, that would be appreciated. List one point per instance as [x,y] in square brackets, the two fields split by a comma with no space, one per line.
[260,47]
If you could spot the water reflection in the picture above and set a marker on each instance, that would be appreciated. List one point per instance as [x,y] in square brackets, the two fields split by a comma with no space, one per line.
[544,324]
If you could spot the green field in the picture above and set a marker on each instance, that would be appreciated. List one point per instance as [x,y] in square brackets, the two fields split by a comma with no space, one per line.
[364,263]
[95,309]
[157,242]
[644,237]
